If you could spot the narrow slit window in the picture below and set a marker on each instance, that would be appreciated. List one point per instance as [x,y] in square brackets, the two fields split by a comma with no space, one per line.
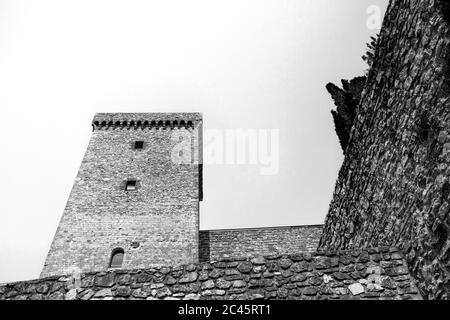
[139,145]
[116,258]
[130,185]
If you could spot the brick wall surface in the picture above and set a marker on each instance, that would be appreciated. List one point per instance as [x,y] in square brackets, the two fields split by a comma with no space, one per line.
[218,244]
[359,274]
[394,185]
[155,225]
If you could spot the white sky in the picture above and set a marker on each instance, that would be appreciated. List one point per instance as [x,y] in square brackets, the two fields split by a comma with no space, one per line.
[256,64]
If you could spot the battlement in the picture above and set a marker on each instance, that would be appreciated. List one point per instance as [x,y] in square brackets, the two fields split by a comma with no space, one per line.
[104,121]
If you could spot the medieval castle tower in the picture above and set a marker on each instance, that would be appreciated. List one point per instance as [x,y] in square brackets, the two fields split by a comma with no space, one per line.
[135,201]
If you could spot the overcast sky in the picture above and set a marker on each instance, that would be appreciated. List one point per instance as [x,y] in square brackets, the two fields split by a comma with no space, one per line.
[244,64]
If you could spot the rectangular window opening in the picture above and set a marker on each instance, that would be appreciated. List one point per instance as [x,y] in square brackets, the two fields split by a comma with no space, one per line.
[139,144]
[130,185]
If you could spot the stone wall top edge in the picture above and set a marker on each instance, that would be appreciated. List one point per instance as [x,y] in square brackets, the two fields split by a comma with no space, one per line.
[309,226]
[294,256]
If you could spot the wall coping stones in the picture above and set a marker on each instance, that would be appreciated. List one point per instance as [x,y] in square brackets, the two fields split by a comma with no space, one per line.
[263,228]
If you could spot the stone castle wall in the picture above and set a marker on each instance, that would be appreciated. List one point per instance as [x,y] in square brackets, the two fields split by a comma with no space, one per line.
[155,225]
[251,242]
[394,186]
[367,274]
[393,190]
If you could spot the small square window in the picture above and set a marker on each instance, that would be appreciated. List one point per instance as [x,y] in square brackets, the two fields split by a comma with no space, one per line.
[139,144]
[130,185]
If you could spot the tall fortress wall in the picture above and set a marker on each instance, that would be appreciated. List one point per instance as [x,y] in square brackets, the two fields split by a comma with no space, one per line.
[394,186]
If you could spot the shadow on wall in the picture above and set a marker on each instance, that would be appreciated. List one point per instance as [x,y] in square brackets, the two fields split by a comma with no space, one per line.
[204,247]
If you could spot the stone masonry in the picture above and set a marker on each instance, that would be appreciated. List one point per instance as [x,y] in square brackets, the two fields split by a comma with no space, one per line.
[386,232]
[394,186]
[358,274]
[157,224]
[252,242]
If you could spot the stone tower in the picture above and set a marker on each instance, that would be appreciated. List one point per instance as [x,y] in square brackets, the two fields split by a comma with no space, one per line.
[137,193]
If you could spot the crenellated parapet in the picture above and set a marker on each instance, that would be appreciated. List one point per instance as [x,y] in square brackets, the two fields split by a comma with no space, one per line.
[105,121]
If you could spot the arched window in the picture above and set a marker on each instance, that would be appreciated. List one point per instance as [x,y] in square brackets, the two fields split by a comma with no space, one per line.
[116,258]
